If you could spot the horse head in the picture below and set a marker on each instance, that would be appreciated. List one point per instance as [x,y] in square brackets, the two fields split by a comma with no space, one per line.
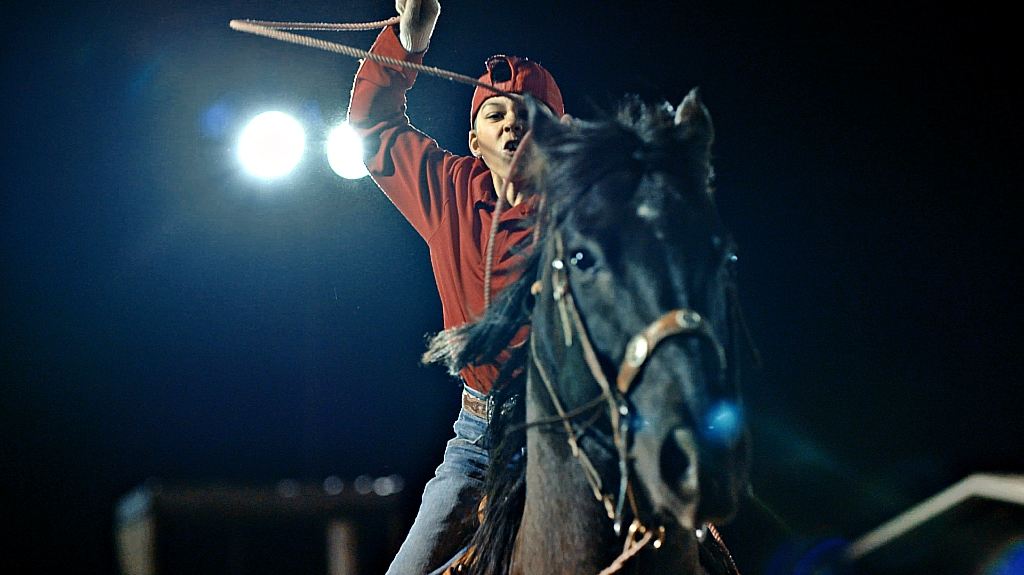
[637,265]
[632,362]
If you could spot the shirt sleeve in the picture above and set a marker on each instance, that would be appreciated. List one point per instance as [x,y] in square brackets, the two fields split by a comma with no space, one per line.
[407,164]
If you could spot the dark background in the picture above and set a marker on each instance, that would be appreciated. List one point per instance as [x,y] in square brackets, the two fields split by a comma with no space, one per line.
[163,315]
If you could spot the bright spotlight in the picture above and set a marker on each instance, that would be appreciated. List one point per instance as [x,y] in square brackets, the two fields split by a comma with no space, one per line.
[271,145]
[345,153]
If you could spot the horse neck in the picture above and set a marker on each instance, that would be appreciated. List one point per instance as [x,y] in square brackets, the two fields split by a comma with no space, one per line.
[564,528]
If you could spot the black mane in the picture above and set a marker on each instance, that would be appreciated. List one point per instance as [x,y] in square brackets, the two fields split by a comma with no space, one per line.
[565,166]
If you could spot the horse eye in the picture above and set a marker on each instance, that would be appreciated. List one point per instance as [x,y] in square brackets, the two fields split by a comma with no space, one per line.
[582,260]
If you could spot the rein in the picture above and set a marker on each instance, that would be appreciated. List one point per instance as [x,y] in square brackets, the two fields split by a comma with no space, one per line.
[639,349]
[499,205]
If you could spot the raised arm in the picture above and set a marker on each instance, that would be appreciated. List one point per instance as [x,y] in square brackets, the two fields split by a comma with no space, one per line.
[407,164]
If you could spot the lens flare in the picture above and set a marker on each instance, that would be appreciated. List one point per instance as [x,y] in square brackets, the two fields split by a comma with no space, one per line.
[345,153]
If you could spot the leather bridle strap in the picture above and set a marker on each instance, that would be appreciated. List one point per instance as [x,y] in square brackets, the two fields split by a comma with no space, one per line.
[641,347]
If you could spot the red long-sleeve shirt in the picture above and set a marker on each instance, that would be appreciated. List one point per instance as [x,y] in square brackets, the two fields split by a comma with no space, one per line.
[449,199]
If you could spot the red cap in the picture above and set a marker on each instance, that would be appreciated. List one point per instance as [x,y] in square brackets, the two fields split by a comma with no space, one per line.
[518,76]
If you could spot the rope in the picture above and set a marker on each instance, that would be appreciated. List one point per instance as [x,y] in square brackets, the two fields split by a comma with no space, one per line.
[347,27]
[627,553]
[274,30]
[727,556]
[498,207]
[543,421]
[489,261]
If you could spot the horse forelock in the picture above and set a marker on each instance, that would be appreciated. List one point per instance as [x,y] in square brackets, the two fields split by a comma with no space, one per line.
[641,141]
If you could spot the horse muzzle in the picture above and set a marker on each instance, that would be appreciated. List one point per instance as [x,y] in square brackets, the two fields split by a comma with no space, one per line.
[689,478]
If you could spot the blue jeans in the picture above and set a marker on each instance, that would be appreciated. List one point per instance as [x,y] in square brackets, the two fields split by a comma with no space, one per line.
[447,516]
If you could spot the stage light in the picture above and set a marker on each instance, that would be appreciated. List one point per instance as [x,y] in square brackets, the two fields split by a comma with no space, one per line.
[288,488]
[345,153]
[333,485]
[389,485]
[363,484]
[271,145]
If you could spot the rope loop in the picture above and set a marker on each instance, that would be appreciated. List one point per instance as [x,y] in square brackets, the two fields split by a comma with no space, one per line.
[275,30]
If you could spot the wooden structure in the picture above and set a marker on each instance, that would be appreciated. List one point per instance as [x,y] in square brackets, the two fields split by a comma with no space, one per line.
[975,526]
[293,528]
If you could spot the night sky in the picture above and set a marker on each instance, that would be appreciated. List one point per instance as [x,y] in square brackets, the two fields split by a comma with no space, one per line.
[164,315]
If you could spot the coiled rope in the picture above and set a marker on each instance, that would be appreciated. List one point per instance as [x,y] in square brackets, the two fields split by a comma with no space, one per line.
[275,30]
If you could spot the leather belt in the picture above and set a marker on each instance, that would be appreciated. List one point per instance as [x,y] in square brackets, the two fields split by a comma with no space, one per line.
[478,406]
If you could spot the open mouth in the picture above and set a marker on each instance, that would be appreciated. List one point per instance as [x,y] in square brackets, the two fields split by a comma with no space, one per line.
[511,146]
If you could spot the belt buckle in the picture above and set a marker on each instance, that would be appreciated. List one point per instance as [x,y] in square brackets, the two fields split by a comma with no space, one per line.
[487,407]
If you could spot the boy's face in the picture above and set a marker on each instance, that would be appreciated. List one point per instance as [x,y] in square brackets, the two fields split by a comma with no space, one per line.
[497,130]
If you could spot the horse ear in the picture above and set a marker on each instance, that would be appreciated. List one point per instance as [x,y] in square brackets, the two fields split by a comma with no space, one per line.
[692,114]
[545,126]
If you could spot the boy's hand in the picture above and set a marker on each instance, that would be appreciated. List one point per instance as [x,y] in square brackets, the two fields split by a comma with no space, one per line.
[417,23]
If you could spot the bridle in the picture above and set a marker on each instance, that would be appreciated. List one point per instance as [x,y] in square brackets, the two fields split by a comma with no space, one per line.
[641,347]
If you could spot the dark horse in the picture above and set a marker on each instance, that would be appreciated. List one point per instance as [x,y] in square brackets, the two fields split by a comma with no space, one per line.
[625,443]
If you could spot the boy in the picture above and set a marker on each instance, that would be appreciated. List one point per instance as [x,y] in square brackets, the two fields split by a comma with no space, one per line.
[450,201]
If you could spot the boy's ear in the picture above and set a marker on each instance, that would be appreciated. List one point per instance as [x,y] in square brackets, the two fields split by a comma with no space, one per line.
[474,144]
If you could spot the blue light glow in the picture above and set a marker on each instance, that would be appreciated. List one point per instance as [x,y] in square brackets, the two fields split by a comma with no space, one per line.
[1010,562]
[215,120]
[723,423]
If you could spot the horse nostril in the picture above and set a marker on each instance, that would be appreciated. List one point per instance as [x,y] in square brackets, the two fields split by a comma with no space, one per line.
[678,462]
